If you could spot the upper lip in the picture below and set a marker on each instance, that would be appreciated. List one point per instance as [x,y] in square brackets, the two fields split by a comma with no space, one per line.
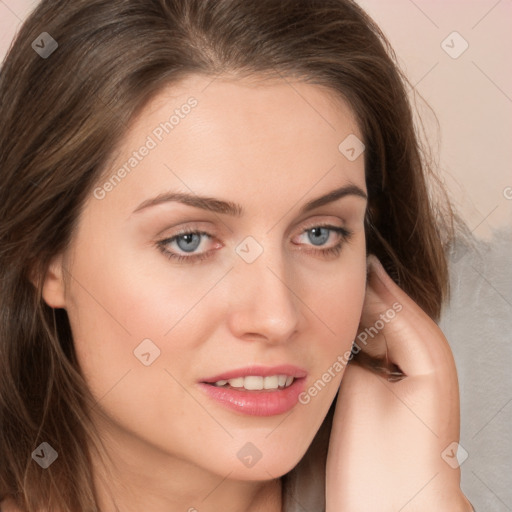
[264,371]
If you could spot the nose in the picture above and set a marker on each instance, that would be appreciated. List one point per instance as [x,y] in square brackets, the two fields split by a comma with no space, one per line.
[265,302]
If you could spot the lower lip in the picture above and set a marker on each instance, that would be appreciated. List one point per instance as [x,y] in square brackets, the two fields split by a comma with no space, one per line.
[257,403]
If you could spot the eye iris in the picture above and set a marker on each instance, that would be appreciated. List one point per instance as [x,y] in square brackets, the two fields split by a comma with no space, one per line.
[188,237]
[321,238]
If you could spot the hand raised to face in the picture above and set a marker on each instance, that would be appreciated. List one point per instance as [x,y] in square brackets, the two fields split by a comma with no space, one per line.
[394,440]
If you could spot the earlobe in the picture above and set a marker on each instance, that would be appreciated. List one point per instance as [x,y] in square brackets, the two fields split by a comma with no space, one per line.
[53,290]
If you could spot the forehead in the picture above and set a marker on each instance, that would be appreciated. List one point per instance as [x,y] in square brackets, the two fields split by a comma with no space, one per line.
[216,135]
[253,101]
[245,110]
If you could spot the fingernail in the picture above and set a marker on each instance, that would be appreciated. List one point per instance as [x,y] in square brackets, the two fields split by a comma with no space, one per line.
[374,264]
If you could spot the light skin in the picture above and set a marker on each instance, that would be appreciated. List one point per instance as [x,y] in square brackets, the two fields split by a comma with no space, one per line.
[271,148]
[393,443]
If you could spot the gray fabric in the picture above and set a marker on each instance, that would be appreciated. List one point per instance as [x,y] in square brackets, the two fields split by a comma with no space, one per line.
[478,325]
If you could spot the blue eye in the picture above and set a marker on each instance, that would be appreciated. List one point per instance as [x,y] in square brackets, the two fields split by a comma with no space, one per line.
[320,235]
[190,241]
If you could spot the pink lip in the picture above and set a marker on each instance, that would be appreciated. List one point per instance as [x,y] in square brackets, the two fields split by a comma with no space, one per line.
[257,403]
[262,402]
[263,371]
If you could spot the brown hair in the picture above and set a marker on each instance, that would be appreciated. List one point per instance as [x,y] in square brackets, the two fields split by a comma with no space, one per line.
[63,115]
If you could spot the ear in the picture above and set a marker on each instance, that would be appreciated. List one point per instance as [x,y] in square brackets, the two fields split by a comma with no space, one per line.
[53,284]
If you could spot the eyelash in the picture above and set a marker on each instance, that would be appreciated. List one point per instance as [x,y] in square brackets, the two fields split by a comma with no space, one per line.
[331,251]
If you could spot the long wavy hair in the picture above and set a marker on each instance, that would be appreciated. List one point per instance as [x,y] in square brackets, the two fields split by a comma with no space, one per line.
[63,115]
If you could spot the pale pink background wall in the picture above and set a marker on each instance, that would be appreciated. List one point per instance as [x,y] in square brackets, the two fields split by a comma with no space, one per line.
[471,94]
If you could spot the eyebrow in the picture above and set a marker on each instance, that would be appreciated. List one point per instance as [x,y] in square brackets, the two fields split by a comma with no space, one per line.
[229,208]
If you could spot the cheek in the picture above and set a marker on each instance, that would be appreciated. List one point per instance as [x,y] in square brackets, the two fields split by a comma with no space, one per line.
[338,300]
[337,304]
[123,306]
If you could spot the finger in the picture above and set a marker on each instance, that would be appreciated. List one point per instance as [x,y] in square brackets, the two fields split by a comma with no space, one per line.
[413,341]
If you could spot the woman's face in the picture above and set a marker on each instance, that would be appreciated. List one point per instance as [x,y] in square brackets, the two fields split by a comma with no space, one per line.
[154,315]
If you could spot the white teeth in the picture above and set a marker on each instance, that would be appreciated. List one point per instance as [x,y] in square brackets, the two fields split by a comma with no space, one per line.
[271,382]
[256,383]
[237,383]
[253,383]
